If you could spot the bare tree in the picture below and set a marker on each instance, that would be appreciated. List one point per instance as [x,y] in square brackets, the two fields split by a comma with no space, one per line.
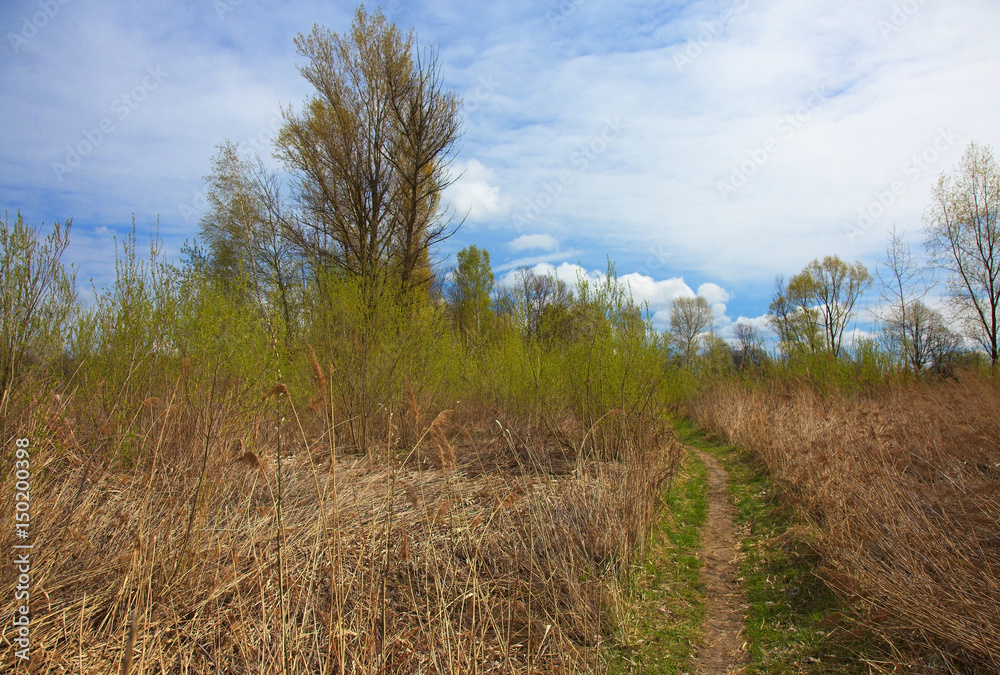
[245,228]
[540,296]
[943,345]
[751,345]
[371,150]
[903,283]
[689,319]
[963,238]
[929,341]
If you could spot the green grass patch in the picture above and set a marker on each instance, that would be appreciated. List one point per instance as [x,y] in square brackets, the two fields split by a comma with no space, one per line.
[665,601]
[795,624]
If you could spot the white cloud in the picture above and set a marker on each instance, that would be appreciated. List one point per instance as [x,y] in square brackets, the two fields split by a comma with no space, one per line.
[472,192]
[566,272]
[714,293]
[529,242]
[534,260]
[657,295]
[728,332]
[538,96]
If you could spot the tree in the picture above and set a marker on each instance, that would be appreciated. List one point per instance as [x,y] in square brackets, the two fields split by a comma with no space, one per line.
[751,345]
[543,301]
[794,320]
[963,238]
[929,342]
[470,291]
[904,285]
[943,345]
[689,318]
[37,297]
[834,287]
[245,228]
[371,150]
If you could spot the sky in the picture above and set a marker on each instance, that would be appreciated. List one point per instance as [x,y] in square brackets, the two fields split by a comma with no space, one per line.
[703,147]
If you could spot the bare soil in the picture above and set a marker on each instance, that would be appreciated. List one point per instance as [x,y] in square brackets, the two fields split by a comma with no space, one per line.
[721,651]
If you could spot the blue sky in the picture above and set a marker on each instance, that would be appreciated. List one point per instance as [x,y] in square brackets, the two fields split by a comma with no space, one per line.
[703,146]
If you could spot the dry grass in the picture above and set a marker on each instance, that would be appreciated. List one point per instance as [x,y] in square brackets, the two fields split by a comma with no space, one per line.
[903,488]
[482,547]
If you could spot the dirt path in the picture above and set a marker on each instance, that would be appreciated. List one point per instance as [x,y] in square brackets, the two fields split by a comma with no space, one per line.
[721,650]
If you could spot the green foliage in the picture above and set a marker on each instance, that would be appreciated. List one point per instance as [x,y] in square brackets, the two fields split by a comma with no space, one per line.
[37,296]
[245,231]
[614,361]
[160,333]
[811,313]
[123,341]
[470,292]
[383,348]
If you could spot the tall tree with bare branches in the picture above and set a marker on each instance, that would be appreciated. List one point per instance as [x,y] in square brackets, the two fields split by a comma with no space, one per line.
[690,318]
[245,228]
[963,238]
[904,284]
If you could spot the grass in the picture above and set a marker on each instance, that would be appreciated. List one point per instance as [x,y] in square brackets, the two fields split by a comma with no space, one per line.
[899,486]
[795,623]
[665,592]
[487,549]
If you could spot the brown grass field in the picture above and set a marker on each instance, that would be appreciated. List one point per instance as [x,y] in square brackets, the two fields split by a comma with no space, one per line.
[480,544]
[902,490]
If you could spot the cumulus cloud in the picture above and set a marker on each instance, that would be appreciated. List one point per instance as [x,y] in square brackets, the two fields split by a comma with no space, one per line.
[472,193]
[714,293]
[656,295]
[567,272]
[728,332]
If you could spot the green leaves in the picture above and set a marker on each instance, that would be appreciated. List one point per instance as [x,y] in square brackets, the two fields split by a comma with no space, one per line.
[811,313]
[37,295]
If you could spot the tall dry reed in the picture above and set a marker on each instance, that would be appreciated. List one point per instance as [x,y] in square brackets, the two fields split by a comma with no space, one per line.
[486,548]
[903,488]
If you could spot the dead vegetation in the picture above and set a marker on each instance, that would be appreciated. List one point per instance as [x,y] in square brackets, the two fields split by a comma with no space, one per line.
[483,546]
[902,487]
